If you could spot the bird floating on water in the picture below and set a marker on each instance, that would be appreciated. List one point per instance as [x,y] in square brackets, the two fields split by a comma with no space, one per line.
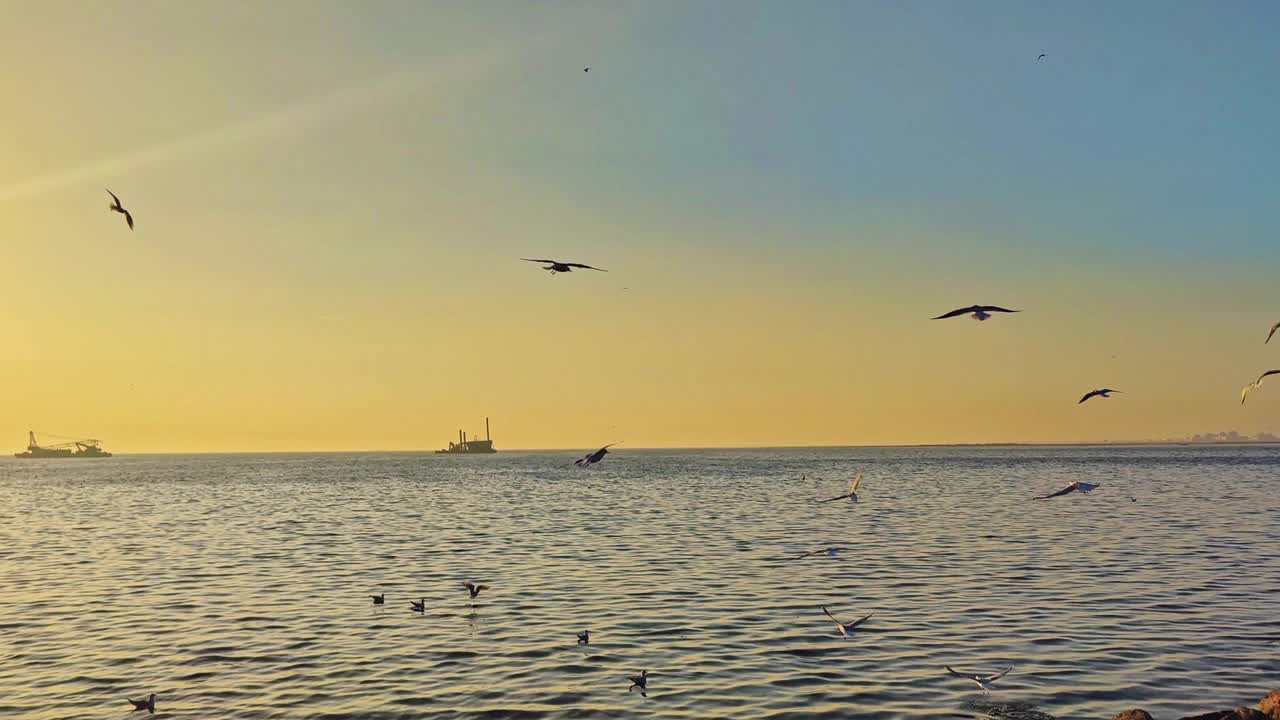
[149,704]
[640,681]
[1083,488]
[853,489]
[977,312]
[117,207]
[1104,392]
[828,551]
[983,681]
[555,266]
[1244,392]
[584,637]
[379,599]
[473,588]
[846,628]
[593,458]
[419,606]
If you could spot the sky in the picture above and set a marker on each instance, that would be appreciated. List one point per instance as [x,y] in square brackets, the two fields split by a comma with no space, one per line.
[332,199]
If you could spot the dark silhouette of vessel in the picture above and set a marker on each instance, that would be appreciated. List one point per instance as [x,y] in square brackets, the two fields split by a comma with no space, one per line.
[470,447]
[87,448]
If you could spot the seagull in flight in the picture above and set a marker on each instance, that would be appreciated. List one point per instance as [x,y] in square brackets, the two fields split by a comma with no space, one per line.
[1083,488]
[853,489]
[640,681]
[586,69]
[1104,392]
[983,682]
[149,704]
[593,458]
[1042,56]
[828,551]
[1244,392]
[846,628]
[473,588]
[978,312]
[584,637]
[117,207]
[379,599]
[1271,332]
[419,606]
[555,266]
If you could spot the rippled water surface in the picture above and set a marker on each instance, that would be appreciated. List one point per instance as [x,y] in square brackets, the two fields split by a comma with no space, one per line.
[235,586]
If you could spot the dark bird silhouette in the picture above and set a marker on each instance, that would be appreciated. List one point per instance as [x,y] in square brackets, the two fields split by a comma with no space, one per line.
[1104,392]
[593,458]
[1083,488]
[379,599]
[846,628]
[117,207]
[586,69]
[555,266]
[474,589]
[419,606]
[828,551]
[1271,332]
[978,312]
[640,681]
[149,704]
[1042,56]
[584,637]
[1244,393]
[983,681]
[853,489]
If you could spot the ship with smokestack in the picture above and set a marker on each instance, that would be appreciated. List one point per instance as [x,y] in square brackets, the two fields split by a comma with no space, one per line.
[472,446]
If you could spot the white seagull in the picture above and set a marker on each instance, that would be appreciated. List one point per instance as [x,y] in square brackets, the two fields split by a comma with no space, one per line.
[846,628]
[1083,488]
[978,312]
[983,682]
[1244,392]
[853,489]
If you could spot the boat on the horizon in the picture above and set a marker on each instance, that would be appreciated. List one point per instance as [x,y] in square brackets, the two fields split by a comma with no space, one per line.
[472,446]
[86,448]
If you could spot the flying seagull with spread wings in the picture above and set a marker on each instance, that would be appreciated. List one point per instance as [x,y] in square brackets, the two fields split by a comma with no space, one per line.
[1244,392]
[983,681]
[853,489]
[593,458]
[1083,488]
[473,588]
[978,312]
[115,206]
[555,266]
[1104,392]
[846,628]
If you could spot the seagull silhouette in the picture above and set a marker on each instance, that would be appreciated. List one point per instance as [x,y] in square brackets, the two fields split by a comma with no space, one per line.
[853,489]
[379,599]
[473,588]
[978,312]
[419,606]
[1104,392]
[983,681]
[555,266]
[586,69]
[584,637]
[846,628]
[1083,488]
[149,704]
[1271,332]
[1244,392]
[1042,56]
[593,458]
[640,681]
[117,207]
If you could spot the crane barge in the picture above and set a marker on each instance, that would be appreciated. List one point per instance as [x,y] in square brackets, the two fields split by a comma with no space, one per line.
[86,448]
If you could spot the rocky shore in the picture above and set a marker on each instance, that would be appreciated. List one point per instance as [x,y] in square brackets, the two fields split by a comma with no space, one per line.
[1268,709]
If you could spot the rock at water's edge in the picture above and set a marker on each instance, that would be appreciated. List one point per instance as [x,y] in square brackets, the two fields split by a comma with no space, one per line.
[1133,715]
[1270,705]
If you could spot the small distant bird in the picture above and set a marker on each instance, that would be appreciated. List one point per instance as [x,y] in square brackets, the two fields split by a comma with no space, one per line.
[555,266]
[149,704]
[474,588]
[640,681]
[1271,332]
[1040,58]
[853,489]
[379,599]
[846,628]
[584,637]
[586,69]
[117,207]
[978,312]
[1083,488]
[593,458]
[419,606]
[1244,393]
[983,682]
[1104,392]
[828,551]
